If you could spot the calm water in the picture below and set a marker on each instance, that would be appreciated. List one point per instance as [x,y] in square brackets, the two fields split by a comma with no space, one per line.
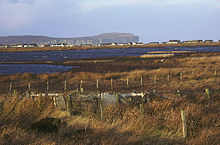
[74,55]
[32,68]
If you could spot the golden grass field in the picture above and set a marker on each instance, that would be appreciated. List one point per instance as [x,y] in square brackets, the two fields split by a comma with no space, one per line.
[122,124]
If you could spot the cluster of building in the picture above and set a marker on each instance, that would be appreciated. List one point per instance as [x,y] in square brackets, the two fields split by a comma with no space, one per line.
[32,45]
[184,42]
[19,45]
[66,45]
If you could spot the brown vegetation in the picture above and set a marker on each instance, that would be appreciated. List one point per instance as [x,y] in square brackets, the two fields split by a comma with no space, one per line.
[191,74]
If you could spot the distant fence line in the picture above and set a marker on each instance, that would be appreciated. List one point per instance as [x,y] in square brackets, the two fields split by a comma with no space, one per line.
[111,84]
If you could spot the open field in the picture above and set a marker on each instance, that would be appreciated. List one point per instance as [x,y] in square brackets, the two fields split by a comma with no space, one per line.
[178,83]
[109,47]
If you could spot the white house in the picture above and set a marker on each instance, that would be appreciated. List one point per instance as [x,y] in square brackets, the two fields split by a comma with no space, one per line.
[139,43]
[173,42]
[58,45]
[153,43]
[208,41]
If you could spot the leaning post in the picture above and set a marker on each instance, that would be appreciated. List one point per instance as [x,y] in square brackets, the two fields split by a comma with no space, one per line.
[183,117]
[207,93]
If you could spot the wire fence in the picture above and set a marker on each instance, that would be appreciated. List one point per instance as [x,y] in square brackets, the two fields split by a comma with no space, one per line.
[148,83]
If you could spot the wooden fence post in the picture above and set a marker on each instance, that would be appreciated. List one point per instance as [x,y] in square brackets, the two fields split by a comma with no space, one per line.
[141,81]
[65,85]
[207,93]
[29,87]
[127,82]
[155,79]
[215,75]
[69,105]
[81,86]
[81,83]
[47,86]
[117,98]
[181,76]
[10,87]
[101,107]
[178,93]
[168,78]
[183,117]
[97,84]
[111,84]
[154,92]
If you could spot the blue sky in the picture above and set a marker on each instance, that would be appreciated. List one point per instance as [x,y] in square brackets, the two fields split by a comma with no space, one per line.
[152,20]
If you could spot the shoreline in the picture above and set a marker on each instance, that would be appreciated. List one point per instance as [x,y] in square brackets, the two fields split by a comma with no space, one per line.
[112,64]
[214,44]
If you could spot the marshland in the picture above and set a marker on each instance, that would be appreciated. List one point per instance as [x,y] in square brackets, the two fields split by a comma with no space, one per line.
[188,82]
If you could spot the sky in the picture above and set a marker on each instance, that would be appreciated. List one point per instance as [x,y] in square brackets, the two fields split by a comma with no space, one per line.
[151,20]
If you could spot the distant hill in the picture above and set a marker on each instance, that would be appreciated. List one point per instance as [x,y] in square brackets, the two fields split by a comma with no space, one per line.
[99,39]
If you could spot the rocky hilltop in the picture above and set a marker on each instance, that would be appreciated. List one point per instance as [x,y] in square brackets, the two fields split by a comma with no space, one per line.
[94,40]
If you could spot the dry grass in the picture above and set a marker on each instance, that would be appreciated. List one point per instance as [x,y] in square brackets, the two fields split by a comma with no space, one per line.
[161,123]
[122,124]
[157,55]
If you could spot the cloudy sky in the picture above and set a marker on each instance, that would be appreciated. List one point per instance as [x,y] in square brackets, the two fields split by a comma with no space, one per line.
[152,20]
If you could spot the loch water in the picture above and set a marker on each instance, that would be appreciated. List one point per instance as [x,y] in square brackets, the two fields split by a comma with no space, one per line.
[71,55]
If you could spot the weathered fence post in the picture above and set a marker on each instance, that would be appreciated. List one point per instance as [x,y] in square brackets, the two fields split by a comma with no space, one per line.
[183,117]
[10,87]
[127,82]
[207,93]
[154,92]
[81,86]
[65,85]
[81,83]
[101,107]
[178,93]
[155,79]
[215,76]
[117,98]
[29,87]
[141,81]
[69,105]
[97,84]
[111,84]
[47,86]
[181,76]
[168,79]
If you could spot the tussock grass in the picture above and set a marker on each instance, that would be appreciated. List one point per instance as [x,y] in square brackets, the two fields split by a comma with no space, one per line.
[122,124]
[161,123]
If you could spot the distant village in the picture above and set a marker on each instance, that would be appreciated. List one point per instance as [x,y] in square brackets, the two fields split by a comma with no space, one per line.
[32,45]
